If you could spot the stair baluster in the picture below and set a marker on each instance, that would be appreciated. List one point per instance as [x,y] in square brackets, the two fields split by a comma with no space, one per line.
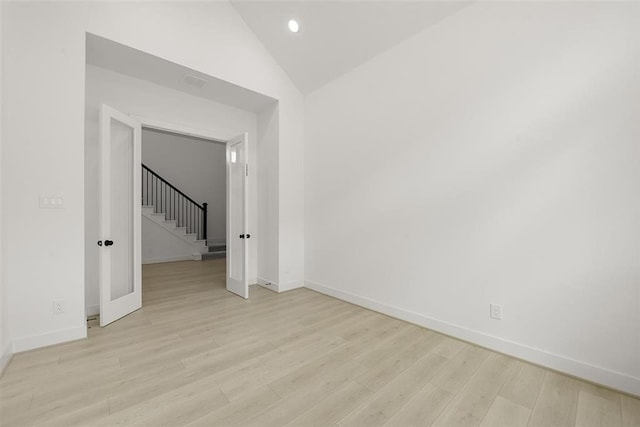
[176,205]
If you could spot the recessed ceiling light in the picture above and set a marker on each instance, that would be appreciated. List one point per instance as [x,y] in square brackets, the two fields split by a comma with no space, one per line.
[293,26]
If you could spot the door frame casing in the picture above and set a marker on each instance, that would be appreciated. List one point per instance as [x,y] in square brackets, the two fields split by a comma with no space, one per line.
[216,136]
[210,134]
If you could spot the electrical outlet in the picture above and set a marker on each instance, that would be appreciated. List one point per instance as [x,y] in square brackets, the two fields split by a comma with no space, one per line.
[495,311]
[58,306]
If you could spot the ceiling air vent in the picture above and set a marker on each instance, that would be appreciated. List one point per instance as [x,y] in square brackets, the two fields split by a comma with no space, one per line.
[194,81]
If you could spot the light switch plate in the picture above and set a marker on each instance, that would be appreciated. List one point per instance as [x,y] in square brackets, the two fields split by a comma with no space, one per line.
[58,306]
[48,202]
[495,311]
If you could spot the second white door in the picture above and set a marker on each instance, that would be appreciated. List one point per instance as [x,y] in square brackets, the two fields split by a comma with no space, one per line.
[237,217]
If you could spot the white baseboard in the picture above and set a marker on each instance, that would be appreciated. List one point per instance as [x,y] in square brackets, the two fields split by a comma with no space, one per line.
[56,337]
[167,259]
[93,310]
[290,286]
[277,287]
[5,358]
[271,285]
[577,368]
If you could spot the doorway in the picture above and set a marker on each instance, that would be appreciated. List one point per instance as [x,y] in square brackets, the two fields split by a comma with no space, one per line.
[126,185]
[183,197]
[218,110]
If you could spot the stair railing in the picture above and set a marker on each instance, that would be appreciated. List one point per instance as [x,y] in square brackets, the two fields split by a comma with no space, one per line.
[168,199]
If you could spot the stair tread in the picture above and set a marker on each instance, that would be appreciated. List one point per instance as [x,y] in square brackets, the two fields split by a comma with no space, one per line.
[171,225]
[207,255]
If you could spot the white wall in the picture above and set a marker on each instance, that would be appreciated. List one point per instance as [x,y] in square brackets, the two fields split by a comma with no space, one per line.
[196,167]
[44,58]
[268,195]
[490,159]
[141,98]
[5,350]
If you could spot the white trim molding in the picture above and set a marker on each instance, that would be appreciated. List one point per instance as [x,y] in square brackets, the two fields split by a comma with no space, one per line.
[290,286]
[93,310]
[5,358]
[268,284]
[577,368]
[191,257]
[51,338]
[216,135]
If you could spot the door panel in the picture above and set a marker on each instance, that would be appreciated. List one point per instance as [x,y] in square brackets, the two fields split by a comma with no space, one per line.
[237,217]
[120,204]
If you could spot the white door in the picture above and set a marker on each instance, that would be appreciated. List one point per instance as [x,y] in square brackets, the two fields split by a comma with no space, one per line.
[120,203]
[237,218]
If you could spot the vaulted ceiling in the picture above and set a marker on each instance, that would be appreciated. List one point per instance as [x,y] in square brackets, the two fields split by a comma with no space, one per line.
[336,36]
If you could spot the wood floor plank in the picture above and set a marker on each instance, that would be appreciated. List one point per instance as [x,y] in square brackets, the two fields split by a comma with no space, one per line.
[185,410]
[335,407]
[630,411]
[198,355]
[176,398]
[14,407]
[255,402]
[136,391]
[598,407]
[506,413]
[450,348]
[396,362]
[524,385]
[423,409]
[393,343]
[318,370]
[557,402]
[461,368]
[279,362]
[385,403]
[470,406]
[68,417]
[309,389]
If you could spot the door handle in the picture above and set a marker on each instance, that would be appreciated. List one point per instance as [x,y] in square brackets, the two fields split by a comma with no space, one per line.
[108,242]
[242,236]
[248,236]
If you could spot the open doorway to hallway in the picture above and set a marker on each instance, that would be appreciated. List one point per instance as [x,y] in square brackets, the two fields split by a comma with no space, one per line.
[183,215]
[183,197]
[133,194]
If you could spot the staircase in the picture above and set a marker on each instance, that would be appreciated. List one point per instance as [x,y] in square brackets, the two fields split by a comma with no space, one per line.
[199,246]
[215,250]
[177,213]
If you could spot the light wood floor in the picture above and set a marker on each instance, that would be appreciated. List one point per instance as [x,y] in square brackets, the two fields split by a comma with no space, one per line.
[198,355]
